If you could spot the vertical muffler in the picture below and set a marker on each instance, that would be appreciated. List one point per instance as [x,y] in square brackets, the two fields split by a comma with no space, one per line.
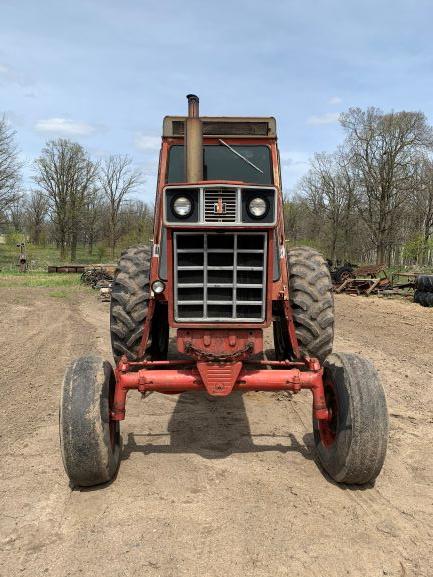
[193,141]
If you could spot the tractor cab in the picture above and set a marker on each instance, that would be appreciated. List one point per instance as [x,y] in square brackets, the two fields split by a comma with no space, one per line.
[220,202]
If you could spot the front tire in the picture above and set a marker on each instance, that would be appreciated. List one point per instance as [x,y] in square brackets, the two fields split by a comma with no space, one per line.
[89,438]
[351,446]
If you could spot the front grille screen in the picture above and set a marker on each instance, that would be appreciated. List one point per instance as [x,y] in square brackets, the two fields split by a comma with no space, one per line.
[219,277]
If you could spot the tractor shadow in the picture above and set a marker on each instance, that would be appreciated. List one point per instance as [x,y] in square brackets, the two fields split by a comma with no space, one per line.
[213,428]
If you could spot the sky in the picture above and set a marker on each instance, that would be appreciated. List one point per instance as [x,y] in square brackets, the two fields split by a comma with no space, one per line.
[105,72]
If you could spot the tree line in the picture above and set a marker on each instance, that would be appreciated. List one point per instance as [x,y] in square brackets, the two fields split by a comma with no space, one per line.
[75,200]
[371,200]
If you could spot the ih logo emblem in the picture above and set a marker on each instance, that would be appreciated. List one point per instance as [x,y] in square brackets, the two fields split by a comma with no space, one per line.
[219,207]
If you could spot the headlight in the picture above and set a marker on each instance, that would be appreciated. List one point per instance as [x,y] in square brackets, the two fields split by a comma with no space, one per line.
[257,207]
[158,287]
[182,206]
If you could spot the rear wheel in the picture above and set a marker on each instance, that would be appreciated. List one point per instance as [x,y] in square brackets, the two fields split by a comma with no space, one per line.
[342,273]
[129,307]
[89,438]
[311,301]
[351,445]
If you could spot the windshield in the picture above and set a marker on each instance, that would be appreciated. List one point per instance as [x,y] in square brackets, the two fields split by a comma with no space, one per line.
[221,163]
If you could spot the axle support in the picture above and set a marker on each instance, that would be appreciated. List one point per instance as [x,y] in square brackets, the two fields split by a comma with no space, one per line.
[189,379]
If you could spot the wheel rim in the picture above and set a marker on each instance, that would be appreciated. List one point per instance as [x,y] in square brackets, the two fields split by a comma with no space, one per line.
[328,428]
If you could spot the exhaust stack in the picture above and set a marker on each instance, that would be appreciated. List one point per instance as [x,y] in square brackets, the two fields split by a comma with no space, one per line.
[193,141]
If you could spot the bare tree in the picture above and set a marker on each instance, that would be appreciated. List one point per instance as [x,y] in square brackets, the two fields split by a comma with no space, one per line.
[16,214]
[323,186]
[384,149]
[92,217]
[78,197]
[10,169]
[136,221]
[298,221]
[66,175]
[36,212]
[117,179]
[420,209]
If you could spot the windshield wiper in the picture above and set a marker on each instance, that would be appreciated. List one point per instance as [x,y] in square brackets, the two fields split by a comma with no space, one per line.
[240,155]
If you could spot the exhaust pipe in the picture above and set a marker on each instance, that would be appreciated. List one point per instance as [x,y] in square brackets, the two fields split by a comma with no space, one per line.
[193,141]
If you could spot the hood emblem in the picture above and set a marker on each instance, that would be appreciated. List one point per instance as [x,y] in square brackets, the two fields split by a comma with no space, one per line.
[219,207]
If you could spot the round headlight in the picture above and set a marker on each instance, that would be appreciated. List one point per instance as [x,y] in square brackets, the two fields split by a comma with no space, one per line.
[158,287]
[257,207]
[182,206]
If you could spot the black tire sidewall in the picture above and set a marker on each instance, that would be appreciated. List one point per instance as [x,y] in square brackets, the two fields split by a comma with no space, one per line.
[358,451]
[84,423]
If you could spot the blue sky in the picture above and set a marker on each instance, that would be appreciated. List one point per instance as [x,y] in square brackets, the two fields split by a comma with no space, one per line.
[106,72]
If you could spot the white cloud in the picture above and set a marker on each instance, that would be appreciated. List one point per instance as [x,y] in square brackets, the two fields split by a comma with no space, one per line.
[64,127]
[327,118]
[147,143]
[335,100]
[291,158]
[294,164]
[4,69]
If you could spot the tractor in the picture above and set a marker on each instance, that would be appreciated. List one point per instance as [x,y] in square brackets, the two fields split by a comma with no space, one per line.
[216,275]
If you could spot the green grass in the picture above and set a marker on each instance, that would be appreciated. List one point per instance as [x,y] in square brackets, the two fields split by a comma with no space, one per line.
[59,294]
[39,279]
[38,257]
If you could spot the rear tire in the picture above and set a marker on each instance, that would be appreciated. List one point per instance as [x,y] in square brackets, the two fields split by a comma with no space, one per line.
[311,299]
[89,438]
[425,299]
[424,282]
[352,446]
[129,299]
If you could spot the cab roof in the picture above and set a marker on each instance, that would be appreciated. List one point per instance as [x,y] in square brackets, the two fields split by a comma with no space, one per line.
[239,126]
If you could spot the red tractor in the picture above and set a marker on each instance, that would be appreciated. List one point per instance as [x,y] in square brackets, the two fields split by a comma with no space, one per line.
[218,274]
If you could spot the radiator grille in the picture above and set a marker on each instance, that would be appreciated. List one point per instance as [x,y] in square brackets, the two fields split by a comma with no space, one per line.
[219,277]
[220,205]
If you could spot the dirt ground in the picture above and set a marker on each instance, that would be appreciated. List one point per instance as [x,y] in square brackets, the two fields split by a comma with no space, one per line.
[208,488]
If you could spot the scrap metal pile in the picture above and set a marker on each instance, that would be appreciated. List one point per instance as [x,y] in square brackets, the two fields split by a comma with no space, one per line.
[374,279]
[365,280]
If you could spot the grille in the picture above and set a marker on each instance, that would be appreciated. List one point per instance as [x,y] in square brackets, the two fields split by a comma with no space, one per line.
[220,205]
[219,277]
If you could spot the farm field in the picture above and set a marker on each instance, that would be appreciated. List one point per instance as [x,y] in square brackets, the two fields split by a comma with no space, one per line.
[210,487]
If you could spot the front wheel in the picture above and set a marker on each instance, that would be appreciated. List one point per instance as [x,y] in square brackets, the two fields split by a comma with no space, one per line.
[351,445]
[89,438]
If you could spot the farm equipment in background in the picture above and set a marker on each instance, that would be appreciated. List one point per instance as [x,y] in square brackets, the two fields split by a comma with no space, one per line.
[218,274]
[340,272]
[366,280]
[373,279]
